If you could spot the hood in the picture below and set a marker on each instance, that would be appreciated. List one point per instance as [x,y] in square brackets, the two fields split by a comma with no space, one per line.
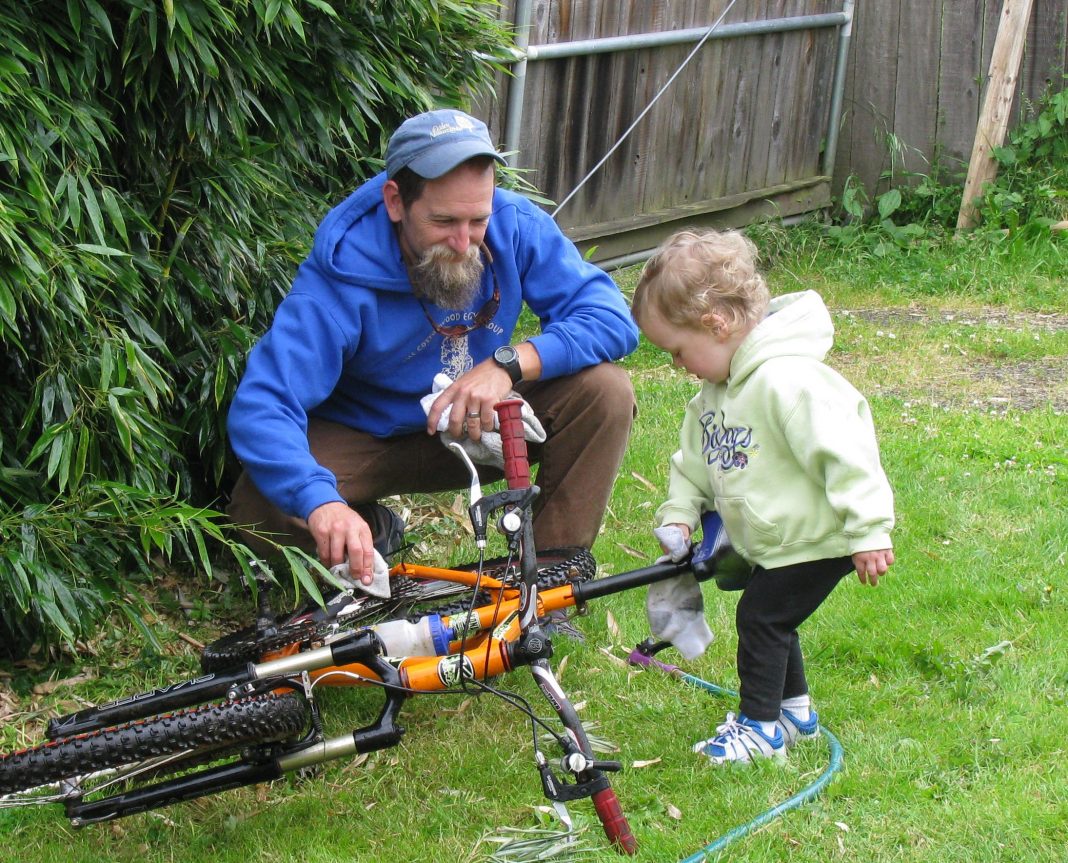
[335,253]
[796,325]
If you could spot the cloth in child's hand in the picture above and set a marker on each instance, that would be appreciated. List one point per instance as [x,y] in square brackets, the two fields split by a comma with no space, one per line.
[676,612]
[674,541]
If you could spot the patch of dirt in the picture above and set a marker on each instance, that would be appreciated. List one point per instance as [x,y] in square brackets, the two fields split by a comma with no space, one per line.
[982,383]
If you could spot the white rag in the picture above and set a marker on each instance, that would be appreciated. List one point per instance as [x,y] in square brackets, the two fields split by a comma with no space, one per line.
[675,607]
[379,585]
[486,450]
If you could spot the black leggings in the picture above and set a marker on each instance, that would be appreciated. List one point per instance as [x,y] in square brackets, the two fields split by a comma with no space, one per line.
[774,603]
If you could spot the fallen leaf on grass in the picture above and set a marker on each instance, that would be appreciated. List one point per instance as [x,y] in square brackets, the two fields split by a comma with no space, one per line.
[633,552]
[672,811]
[649,763]
[643,481]
[613,657]
[50,686]
[613,627]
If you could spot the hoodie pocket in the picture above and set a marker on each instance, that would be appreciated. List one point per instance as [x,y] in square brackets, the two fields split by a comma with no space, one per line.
[747,531]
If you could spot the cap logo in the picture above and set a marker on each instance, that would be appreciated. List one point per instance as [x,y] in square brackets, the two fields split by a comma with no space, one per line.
[460,123]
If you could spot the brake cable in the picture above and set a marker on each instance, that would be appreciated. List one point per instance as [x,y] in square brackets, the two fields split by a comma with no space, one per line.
[642,655]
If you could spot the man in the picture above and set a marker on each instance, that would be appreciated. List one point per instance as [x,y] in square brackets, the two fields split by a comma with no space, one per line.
[423,270]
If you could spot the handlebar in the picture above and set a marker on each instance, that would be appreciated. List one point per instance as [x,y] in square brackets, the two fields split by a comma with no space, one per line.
[513,443]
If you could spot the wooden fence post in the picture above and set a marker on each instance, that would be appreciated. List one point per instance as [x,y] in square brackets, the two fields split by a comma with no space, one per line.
[997,103]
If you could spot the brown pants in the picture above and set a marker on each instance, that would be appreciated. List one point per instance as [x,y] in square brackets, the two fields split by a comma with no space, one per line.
[587,419]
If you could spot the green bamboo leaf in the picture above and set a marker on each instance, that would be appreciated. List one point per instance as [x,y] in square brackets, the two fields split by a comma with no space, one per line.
[8,308]
[107,366]
[92,207]
[273,8]
[222,380]
[12,66]
[66,397]
[43,442]
[74,13]
[55,455]
[54,616]
[69,183]
[78,468]
[114,211]
[105,251]
[96,11]
[122,426]
[48,402]
[323,7]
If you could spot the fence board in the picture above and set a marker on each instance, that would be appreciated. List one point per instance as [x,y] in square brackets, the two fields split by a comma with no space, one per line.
[958,81]
[915,123]
[871,103]
[1045,50]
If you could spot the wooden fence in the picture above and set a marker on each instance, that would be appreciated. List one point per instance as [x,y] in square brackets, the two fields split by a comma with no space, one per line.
[915,78]
[741,132]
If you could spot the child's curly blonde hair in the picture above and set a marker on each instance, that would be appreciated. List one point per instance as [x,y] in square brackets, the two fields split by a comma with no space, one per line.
[695,273]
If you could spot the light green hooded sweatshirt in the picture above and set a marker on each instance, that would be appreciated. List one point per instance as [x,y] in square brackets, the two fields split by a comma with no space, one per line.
[784,449]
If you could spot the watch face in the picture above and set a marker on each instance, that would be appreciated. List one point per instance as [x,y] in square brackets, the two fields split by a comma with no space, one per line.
[506,354]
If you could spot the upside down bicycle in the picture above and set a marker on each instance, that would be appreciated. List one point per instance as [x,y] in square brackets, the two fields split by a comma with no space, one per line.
[253,715]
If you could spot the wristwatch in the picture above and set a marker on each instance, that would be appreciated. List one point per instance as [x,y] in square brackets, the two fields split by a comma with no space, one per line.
[507,358]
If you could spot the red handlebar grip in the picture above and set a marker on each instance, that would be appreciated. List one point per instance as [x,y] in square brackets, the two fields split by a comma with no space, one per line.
[615,823]
[513,443]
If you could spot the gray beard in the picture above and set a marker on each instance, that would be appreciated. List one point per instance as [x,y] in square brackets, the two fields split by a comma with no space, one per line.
[447,283]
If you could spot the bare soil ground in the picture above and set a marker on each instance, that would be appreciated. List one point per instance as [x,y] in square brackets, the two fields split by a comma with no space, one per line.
[966,381]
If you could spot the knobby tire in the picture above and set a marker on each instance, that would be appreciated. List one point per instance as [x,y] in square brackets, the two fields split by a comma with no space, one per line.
[258,719]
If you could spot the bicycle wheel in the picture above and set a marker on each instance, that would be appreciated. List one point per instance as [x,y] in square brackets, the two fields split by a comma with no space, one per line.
[313,624]
[258,719]
[556,567]
[411,598]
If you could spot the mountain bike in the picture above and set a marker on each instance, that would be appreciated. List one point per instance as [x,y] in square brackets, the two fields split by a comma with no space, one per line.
[253,716]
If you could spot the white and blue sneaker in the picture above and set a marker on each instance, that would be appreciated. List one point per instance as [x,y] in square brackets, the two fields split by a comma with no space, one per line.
[794,729]
[741,739]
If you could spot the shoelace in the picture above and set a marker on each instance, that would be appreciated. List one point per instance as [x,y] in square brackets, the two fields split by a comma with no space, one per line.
[731,728]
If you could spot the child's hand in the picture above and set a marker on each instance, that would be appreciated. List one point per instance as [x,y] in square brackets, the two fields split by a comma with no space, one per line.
[674,539]
[871,564]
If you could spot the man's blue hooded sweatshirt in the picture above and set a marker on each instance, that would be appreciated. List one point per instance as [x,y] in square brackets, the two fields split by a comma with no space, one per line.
[350,343]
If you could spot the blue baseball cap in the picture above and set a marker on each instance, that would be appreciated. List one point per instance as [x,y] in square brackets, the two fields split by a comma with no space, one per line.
[434,143]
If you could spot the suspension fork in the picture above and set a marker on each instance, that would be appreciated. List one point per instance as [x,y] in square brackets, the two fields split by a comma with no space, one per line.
[535,649]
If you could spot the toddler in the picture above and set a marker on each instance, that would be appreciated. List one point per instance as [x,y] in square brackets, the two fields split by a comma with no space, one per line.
[783,448]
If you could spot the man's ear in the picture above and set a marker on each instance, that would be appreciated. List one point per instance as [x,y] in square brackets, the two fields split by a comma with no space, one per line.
[391,196]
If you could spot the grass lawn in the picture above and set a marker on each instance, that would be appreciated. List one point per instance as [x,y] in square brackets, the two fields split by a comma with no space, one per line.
[946,685]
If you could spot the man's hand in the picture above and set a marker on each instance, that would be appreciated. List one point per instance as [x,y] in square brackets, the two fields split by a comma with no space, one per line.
[871,564]
[475,392]
[342,535]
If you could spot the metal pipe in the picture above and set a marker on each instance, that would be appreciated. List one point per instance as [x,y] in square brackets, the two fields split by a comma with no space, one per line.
[584,47]
[513,118]
[830,153]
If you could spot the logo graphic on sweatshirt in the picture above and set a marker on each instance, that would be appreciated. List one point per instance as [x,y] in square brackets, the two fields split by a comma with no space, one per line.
[725,446]
[455,357]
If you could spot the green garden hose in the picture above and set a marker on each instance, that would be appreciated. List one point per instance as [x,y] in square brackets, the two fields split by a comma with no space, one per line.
[643,655]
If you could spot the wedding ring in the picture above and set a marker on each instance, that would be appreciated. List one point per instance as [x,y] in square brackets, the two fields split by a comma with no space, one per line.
[475,415]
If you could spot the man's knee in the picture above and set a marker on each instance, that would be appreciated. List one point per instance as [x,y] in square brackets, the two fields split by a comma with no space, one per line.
[607,389]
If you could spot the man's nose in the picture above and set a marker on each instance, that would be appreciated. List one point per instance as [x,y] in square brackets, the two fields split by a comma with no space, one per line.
[460,239]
